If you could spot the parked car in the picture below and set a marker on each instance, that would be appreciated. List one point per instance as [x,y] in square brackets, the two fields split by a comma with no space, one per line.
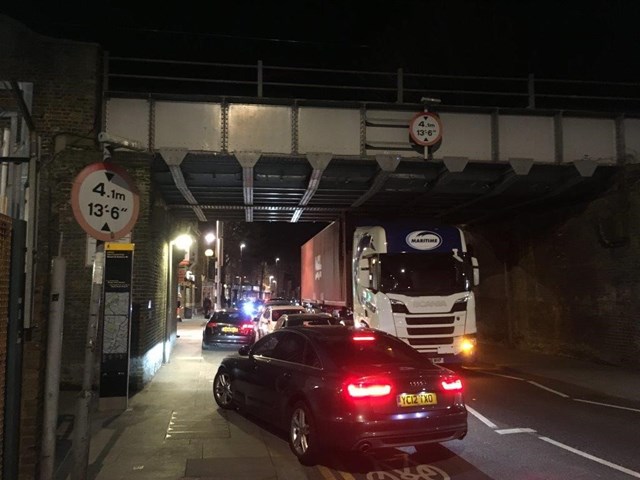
[229,326]
[270,315]
[305,319]
[345,388]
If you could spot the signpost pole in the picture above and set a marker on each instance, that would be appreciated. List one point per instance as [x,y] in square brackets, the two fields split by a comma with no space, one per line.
[82,430]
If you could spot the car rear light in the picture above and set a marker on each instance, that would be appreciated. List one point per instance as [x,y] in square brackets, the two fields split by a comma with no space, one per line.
[246,328]
[451,384]
[368,388]
[363,338]
[212,324]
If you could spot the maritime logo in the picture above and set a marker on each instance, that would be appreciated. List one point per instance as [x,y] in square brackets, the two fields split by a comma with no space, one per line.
[424,240]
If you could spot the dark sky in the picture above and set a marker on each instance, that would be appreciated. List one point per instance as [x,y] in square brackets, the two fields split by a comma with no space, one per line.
[571,39]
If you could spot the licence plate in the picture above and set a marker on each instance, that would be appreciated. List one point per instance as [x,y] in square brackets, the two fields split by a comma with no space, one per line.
[230,329]
[413,399]
[437,360]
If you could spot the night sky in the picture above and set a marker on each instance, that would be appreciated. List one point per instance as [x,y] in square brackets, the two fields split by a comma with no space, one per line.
[556,39]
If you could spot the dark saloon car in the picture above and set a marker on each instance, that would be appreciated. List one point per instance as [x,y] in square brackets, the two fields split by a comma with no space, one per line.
[345,388]
[228,327]
[305,319]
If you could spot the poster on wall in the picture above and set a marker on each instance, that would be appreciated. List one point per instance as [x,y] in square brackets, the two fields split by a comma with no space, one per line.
[116,331]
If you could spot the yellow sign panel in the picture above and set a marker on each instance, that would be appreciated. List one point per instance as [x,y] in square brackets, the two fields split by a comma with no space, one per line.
[119,246]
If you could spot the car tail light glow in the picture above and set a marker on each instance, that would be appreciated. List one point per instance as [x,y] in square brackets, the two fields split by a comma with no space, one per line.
[364,388]
[212,324]
[451,384]
[246,328]
[363,338]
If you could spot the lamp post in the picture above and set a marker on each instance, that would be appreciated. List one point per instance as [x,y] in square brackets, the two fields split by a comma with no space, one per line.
[210,280]
[240,287]
[277,271]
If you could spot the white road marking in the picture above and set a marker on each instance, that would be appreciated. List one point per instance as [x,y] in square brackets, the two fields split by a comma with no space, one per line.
[607,405]
[591,457]
[507,431]
[548,389]
[502,375]
[482,418]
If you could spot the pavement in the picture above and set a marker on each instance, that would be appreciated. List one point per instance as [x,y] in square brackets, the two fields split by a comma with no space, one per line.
[173,430]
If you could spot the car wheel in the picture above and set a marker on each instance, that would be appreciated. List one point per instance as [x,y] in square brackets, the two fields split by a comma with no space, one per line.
[222,392]
[303,437]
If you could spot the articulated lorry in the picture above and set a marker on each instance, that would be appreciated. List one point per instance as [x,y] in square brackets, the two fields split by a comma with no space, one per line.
[409,278]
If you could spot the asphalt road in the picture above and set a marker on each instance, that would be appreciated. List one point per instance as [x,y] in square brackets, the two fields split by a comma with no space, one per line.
[519,428]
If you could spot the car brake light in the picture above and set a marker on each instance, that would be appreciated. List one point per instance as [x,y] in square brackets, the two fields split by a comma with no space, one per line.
[247,326]
[368,388]
[451,384]
[363,338]
[212,324]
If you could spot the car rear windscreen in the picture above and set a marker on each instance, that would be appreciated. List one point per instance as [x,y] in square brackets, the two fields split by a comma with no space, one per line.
[381,350]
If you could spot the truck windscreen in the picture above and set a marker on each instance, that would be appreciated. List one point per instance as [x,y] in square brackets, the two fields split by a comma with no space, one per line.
[422,274]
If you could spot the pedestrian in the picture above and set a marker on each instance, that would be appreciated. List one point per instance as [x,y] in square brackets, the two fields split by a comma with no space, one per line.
[206,305]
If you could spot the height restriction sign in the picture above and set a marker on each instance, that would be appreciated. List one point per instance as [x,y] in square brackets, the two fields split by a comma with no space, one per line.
[425,129]
[105,201]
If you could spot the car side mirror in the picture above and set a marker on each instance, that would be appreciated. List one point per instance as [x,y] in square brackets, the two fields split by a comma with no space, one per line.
[244,350]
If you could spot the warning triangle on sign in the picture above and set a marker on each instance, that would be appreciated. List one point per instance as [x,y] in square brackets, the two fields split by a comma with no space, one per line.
[105,228]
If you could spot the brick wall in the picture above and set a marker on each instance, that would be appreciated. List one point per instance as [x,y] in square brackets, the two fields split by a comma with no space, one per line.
[66,111]
[65,78]
[565,280]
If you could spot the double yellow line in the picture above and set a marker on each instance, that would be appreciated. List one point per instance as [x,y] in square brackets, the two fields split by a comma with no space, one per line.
[328,474]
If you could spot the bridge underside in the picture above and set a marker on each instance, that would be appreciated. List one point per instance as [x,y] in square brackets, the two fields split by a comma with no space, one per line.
[288,188]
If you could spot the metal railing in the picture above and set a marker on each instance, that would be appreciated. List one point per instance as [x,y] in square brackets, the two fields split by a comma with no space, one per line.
[155,77]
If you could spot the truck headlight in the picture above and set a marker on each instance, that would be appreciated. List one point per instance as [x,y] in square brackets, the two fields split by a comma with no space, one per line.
[468,344]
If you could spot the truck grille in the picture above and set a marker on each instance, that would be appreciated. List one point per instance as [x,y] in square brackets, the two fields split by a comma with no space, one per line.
[430,320]
[430,341]
[431,331]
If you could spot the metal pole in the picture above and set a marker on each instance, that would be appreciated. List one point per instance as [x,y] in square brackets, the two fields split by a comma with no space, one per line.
[4,171]
[260,73]
[531,91]
[400,86]
[219,261]
[82,429]
[15,342]
[54,355]
[171,304]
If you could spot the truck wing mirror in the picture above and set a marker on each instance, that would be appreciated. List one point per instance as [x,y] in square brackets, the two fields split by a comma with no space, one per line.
[476,271]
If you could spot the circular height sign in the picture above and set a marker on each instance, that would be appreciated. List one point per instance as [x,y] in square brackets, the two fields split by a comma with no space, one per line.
[425,129]
[105,201]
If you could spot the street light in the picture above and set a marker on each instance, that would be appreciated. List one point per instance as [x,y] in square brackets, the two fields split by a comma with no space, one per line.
[277,271]
[242,245]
